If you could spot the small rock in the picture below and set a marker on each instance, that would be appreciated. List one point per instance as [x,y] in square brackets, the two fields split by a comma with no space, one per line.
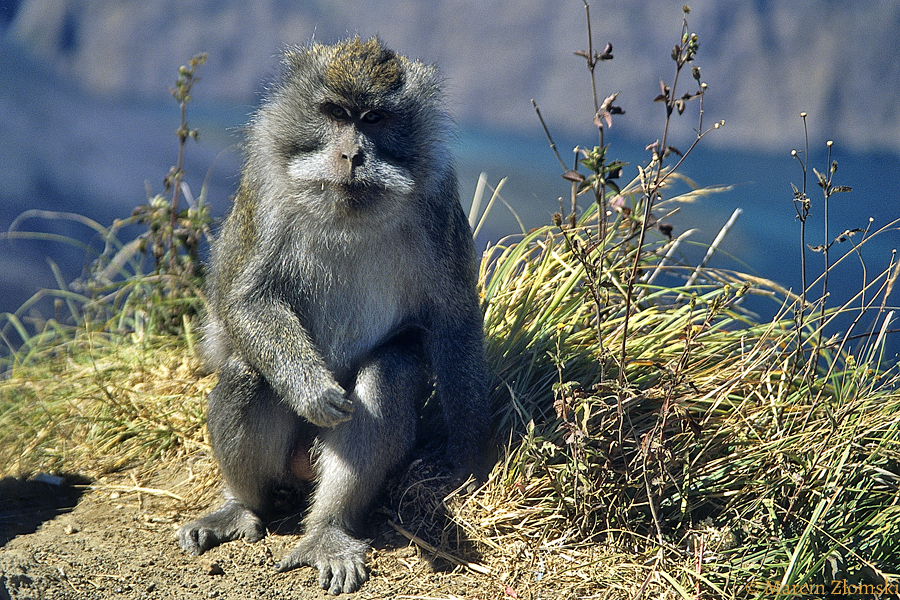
[70,529]
[214,568]
[53,480]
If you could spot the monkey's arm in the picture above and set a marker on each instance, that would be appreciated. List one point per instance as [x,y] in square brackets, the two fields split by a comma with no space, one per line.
[457,356]
[268,335]
[456,336]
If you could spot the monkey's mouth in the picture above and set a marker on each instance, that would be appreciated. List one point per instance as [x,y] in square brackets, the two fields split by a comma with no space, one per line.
[356,194]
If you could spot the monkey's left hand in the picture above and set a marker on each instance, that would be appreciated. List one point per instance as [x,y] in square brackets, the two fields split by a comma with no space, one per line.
[325,406]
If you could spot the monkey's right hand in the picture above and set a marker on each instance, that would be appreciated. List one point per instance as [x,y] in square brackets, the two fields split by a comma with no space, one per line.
[326,406]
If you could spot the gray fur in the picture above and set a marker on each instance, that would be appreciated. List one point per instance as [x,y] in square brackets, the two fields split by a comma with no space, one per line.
[342,286]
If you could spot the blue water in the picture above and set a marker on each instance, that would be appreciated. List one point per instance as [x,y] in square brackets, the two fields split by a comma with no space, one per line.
[765,240]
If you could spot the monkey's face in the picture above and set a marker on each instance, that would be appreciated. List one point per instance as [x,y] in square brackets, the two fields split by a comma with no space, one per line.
[353,129]
[353,157]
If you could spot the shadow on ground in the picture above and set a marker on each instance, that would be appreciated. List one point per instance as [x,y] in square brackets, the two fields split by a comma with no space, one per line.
[26,504]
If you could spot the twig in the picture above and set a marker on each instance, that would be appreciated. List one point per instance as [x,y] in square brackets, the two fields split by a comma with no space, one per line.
[651,192]
[699,551]
[802,214]
[549,137]
[65,576]
[137,490]
[474,567]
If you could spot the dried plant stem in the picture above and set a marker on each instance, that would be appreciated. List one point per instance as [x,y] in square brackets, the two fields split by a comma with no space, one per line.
[802,213]
[651,194]
[547,133]
[474,567]
[176,183]
[592,62]
[599,192]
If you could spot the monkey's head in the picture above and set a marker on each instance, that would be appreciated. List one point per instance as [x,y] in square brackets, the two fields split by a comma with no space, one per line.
[351,129]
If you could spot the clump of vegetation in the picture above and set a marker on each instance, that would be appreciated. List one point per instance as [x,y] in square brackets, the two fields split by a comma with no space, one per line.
[657,439]
[111,380]
[663,439]
[150,284]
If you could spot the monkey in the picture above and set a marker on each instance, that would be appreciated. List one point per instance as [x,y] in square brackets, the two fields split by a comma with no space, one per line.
[341,296]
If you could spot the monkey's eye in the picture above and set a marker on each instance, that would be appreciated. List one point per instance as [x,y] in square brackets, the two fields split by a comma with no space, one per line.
[338,113]
[372,117]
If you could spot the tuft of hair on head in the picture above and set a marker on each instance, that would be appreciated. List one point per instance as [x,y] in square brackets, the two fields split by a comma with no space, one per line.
[356,66]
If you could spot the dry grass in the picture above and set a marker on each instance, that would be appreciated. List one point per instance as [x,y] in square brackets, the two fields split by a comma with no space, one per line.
[101,402]
[719,470]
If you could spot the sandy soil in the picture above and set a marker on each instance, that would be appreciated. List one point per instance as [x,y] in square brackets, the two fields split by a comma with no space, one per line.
[103,539]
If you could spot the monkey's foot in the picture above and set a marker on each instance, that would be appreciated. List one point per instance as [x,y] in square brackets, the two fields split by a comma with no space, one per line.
[340,558]
[231,522]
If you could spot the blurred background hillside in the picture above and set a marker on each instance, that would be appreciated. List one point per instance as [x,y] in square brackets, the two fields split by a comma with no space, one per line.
[87,123]
[765,60]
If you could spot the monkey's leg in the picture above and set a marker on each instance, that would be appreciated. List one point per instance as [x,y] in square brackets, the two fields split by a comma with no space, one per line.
[354,458]
[252,436]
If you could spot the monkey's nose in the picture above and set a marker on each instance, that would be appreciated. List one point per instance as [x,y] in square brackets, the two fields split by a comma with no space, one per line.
[354,159]
[351,158]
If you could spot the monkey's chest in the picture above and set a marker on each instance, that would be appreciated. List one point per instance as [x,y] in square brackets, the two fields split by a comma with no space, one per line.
[359,309]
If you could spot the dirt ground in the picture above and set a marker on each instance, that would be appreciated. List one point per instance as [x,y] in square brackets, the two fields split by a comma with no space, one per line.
[108,539]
